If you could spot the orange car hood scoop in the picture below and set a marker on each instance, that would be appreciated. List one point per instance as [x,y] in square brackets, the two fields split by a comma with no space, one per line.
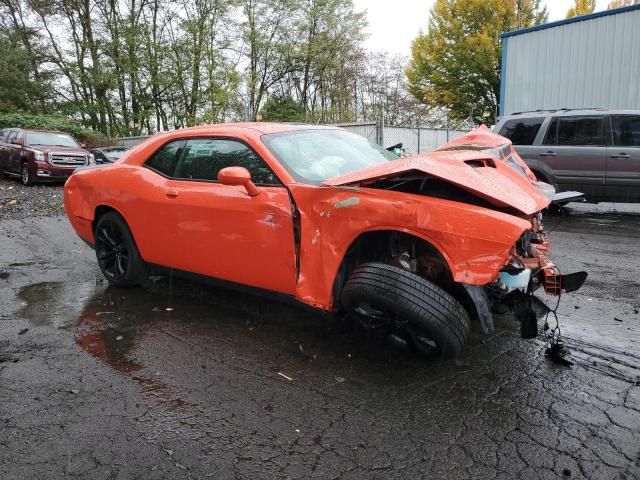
[479,173]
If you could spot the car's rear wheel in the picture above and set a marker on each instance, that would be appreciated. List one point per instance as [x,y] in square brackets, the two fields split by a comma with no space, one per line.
[427,318]
[117,253]
[25,175]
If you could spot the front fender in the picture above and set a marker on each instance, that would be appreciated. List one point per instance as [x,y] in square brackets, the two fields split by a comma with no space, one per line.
[474,241]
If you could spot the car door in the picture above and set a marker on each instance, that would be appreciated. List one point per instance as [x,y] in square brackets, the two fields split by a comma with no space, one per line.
[623,159]
[522,132]
[219,230]
[3,149]
[9,152]
[574,149]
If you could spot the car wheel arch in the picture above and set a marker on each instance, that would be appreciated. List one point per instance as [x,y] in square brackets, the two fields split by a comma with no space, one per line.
[542,172]
[353,255]
[101,210]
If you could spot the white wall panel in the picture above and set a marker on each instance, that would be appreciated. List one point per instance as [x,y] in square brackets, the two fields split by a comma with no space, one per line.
[589,63]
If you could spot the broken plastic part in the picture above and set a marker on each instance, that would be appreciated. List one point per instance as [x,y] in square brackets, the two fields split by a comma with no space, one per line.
[515,281]
[573,281]
[481,302]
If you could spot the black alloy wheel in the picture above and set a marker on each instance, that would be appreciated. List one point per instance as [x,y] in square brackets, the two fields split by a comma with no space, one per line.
[117,253]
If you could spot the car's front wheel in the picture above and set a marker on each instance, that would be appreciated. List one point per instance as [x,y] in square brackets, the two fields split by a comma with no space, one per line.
[425,316]
[117,253]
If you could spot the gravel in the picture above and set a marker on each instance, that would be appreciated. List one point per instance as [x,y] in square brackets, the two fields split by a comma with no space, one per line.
[18,201]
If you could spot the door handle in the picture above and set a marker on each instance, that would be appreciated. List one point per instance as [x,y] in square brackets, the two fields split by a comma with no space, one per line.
[621,155]
[171,193]
[548,154]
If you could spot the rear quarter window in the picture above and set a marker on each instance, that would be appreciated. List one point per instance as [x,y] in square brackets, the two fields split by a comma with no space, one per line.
[521,131]
[164,160]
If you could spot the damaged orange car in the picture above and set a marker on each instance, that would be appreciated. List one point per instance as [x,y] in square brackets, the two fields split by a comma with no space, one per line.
[416,247]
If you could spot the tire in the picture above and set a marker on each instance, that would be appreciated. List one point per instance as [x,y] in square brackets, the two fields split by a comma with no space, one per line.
[117,253]
[544,178]
[25,175]
[426,309]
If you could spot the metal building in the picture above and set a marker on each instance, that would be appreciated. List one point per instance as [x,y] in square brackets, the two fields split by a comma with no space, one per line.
[587,61]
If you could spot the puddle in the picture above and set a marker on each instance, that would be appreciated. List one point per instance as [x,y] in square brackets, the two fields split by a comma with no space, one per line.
[116,348]
[55,303]
[577,217]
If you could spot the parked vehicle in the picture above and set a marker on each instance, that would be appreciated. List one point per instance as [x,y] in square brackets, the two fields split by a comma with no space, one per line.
[594,151]
[106,155]
[39,155]
[415,247]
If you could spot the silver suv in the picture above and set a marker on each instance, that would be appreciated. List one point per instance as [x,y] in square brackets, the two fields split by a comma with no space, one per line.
[595,151]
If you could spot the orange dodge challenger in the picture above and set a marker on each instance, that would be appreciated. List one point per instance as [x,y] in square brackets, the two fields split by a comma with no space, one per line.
[416,246]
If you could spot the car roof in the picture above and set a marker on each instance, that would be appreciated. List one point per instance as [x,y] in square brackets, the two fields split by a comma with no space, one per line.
[560,112]
[248,129]
[43,131]
[255,127]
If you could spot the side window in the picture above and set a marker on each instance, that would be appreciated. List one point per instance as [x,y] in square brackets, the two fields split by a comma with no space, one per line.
[551,137]
[626,130]
[204,158]
[521,131]
[580,130]
[11,135]
[164,160]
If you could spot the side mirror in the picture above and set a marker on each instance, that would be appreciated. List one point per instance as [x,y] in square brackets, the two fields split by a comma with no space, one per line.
[16,141]
[238,176]
[83,145]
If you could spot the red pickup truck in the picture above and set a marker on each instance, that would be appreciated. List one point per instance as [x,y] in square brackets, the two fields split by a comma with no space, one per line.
[40,156]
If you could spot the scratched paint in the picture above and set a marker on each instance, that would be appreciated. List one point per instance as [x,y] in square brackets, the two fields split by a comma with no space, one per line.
[347,203]
[316,237]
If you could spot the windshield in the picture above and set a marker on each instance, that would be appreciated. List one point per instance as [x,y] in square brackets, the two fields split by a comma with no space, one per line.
[313,156]
[50,139]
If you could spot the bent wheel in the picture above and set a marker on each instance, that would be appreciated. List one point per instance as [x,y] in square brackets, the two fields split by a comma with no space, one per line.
[429,319]
[117,253]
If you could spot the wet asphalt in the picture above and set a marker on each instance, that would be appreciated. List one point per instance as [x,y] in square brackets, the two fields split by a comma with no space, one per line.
[180,380]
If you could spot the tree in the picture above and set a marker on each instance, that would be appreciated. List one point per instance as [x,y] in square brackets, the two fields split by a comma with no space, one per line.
[268,43]
[282,109]
[581,7]
[456,64]
[621,3]
[19,89]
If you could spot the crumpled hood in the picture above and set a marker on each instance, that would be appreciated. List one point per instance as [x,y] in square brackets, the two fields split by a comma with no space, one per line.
[476,172]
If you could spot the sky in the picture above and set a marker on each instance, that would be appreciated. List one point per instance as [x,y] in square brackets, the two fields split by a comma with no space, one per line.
[393,24]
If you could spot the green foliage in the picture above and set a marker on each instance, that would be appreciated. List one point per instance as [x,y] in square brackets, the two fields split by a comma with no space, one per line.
[283,109]
[456,64]
[581,7]
[52,122]
[19,90]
